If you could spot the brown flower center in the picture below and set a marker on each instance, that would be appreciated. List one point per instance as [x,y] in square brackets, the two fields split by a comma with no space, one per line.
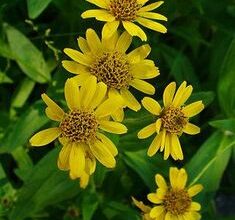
[112,68]
[177,202]
[124,10]
[79,126]
[173,120]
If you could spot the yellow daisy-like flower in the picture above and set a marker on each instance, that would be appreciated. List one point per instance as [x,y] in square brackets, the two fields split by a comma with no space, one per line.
[144,208]
[172,120]
[109,62]
[127,12]
[175,201]
[80,129]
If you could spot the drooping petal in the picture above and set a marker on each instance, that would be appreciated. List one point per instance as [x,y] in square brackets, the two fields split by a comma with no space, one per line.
[78,56]
[193,109]
[155,145]
[113,127]
[53,106]
[147,131]
[151,105]
[124,42]
[169,94]
[153,25]
[143,86]
[84,180]
[45,137]
[130,100]
[102,154]
[191,129]
[134,30]
[108,143]
[109,29]
[63,159]
[72,94]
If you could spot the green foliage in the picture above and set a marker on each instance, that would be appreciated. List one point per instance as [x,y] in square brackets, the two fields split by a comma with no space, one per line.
[199,48]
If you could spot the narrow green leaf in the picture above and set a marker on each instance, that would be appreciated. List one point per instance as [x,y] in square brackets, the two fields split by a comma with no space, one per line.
[89,205]
[4,78]
[224,125]
[36,7]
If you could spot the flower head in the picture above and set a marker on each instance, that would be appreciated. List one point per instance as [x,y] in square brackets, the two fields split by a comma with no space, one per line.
[171,120]
[108,61]
[174,201]
[80,129]
[127,12]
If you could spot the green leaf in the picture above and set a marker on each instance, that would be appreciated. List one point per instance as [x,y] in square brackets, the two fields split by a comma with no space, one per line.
[226,82]
[45,185]
[89,205]
[20,131]
[224,125]
[206,97]
[36,7]
[4,78]
[5,50]
[146,166]
[28,57]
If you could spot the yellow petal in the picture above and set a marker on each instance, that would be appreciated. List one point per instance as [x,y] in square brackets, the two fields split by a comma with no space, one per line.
[139,54]
[81,78]
[144,208]
[52,115]
[194,190]
[169,94]
[163,140]
[77,160]
[78,56]
[195,206]
[152,6]
[99,95]
[191,129]
[45,137]
[152,15]
[83,45]
[118,115]
[102,154]
[84,180]
[193,109]
[181,179]
[167,147]
[156,211]
[153,25]
[143,86]
[170,216]
[93,41]
[109,44]
[87,91]
[57,111]
[187,93]
[102,4]
[130,100]
[151,105]
[134,30]
[109,29]
[113,127]
[72,94]
[155,145]
[142,2]
[98,14]
[124,42]
[152,197]
[74,67]
[160,181]
[147,131]
[115,95]
[173,177]
[108,143]
[158,125]
[63,159]
[179,93]
[176,146]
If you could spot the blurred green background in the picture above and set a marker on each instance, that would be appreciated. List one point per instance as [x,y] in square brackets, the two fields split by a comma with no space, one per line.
[199,47]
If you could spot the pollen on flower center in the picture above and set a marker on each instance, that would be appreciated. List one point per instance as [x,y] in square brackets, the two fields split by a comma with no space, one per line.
[173,120]
[177,202]
[79,126]
[112,68]
[124,10]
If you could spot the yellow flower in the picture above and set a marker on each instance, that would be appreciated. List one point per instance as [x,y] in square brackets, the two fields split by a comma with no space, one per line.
[172,120]
[174,201]
[126,12]
[144,208]
[109,62]
[80,129]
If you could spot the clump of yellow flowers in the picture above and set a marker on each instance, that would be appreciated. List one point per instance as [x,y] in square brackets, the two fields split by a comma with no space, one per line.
[98,94]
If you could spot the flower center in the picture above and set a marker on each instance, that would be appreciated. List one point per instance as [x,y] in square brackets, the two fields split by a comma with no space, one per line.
[173,120]
[177,202]
[112,68]
[79,126]
[124,10]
